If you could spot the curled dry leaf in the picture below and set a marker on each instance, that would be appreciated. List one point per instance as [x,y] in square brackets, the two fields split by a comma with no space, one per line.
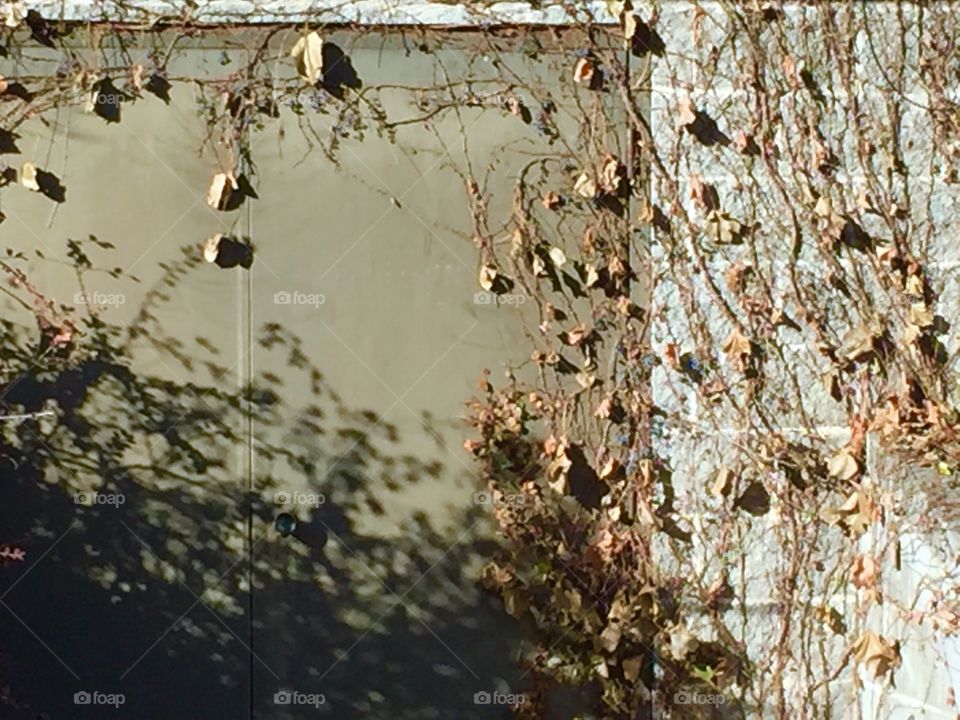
[921,315]
[136,77]
[552,201]
[722,228]
[877,654]
[723,483]
[13,13]
[584,70]
[591,275]
[865,572]
[686,113]
[738,349]
[222,185]
[585,186]
[610,175]
[843,466]
[488,276]
[211,248]
[28,177]
[557,257]
[575,336]
[824,207]
[308,55]
[604,407]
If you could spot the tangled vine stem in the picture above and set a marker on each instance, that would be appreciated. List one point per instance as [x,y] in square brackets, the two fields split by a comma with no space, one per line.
[736,235]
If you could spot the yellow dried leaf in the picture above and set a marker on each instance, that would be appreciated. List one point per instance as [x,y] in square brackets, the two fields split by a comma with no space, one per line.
[308,55]
[824,206]
[211,248]
[921,315]
[585,186]
[843,466]
[222,185]
[557,257]
[723,483]
[488,276]
[28,177]
[610,637]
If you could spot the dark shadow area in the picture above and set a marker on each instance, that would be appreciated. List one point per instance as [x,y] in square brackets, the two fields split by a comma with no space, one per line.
[338,71]
[50,186]
[144,585]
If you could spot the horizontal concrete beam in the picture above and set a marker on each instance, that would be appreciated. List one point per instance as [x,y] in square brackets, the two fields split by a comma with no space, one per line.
[359,12]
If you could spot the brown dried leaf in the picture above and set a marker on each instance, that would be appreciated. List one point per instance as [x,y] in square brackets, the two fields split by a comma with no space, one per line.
[686,113]
[865,572]
[738,349]
[583,71]
[876,654]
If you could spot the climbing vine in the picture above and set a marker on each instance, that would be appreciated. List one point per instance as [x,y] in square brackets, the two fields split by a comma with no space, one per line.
[732,232]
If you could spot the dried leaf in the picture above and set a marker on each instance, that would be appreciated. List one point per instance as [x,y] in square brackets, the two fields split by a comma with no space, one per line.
[610,175]
[610,637]
[557,257]
[28,177]
[604,408]
[876,654]
[575,336]
[921,315]
[585,186]
[13,13]
[222,185]
[488,276]
[136,77]
[308,54]
[865,572]
[722,228]
[552,201]
[723,483]
[686,113]
[584,70]
[824,206]
[211,248]
[738,350]
[592,276]
[843,466]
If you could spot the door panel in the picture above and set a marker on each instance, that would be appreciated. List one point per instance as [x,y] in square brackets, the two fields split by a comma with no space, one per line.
[368,340]
[146,598]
